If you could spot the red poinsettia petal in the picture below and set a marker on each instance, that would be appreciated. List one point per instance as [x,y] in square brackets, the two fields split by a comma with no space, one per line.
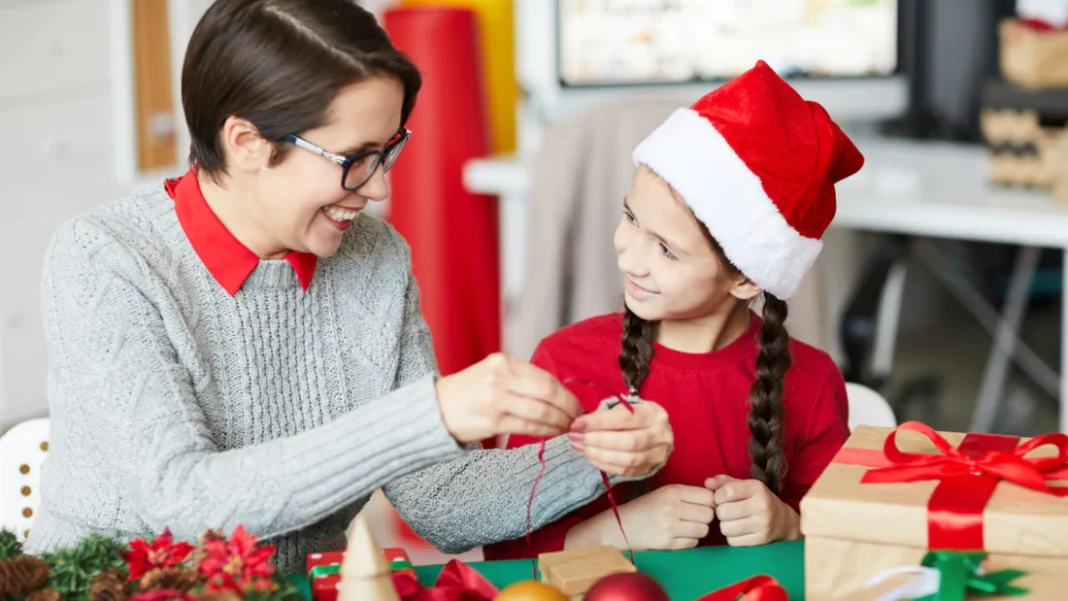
[179,553]
[211,565]
[163,540]
[241,542]
[260,556]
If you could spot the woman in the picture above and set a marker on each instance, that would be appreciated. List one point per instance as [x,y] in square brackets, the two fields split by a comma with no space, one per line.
[224,352]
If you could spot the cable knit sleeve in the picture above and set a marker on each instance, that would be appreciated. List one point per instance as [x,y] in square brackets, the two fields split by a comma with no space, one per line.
[482,497]
[114,373]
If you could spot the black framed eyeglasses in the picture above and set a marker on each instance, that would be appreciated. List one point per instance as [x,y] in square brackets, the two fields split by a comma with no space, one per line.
[358,168]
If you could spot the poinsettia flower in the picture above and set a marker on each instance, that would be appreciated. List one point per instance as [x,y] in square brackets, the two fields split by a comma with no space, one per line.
[160,553]
[236,564]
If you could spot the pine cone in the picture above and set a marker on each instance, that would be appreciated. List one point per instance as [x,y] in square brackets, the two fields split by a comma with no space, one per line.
[107,586]
[169,578]
[45,594]
[22,575]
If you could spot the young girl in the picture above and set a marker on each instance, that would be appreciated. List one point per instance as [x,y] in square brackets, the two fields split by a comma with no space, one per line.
[727,207]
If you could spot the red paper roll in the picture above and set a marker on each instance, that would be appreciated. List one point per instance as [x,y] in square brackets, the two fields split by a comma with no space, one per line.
[453,233]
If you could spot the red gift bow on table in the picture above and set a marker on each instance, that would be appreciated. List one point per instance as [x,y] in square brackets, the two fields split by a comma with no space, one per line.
[604,476]
[757,588]
[457,582]
[967,477]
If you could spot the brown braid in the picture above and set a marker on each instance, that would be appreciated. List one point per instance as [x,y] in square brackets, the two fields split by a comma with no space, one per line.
[638,338]
[766,414]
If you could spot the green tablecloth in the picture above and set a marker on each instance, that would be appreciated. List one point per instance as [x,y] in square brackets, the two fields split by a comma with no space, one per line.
[686,575]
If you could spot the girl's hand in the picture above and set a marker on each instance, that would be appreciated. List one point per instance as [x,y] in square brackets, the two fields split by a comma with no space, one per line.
[622,443]
[501,395]
[670,517]
[750,514]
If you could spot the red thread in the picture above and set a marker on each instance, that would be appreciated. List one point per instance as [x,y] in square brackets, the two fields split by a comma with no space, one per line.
[604,476]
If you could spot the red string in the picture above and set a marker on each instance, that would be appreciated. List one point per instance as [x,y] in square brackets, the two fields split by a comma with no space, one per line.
[604,476]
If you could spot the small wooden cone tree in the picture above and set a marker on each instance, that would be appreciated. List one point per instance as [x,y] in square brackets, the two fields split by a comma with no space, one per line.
[365,573]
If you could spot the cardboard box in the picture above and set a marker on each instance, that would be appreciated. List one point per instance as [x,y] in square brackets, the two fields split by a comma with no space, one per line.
[574,572]
[1032,57]
[896,588]
[854,530]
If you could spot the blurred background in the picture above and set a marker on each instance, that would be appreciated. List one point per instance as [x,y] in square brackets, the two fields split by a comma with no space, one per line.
[941,283]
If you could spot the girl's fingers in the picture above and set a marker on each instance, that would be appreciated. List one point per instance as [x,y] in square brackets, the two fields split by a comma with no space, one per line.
[740,528]
[700,514]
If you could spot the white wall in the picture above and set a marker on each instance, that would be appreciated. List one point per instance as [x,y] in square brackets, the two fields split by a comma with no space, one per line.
[66,116]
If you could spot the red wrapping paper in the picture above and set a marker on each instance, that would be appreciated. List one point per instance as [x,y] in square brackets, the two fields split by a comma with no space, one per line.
[452,232]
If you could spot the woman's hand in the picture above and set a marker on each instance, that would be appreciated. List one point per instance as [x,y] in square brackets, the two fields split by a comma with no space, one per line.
[501,395]
[750,514]
[670,517]
[622,443]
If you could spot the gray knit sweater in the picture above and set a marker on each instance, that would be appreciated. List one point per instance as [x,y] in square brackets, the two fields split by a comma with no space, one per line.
[175,405]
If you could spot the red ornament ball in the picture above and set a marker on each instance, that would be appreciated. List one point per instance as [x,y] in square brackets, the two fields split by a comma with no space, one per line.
[630,586]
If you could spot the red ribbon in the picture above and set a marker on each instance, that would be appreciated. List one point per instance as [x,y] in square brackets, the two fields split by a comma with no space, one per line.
[457,582]
[757,588]
[604,477]
[967,477]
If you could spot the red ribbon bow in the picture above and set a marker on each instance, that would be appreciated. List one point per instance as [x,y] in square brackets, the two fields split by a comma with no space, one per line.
[967,477]
[457,582]
[757,588]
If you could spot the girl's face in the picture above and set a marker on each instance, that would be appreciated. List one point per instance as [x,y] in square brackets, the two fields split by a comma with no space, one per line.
[670,270]
[299,204]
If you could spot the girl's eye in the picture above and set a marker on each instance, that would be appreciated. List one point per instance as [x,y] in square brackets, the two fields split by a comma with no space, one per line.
[667,252]
[630,218]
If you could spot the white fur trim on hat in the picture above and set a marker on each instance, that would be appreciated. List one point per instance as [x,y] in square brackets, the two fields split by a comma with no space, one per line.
[694,159]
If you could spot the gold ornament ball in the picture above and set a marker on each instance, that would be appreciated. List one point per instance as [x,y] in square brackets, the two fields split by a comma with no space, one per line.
[531,591]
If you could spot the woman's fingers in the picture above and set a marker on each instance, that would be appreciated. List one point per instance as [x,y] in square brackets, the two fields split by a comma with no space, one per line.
[515,425]
[533,382]
[537,413]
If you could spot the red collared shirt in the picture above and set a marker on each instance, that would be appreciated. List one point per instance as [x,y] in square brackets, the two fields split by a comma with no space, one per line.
[228,260]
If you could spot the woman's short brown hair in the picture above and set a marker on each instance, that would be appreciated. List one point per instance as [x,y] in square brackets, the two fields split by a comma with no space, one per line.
[279,64]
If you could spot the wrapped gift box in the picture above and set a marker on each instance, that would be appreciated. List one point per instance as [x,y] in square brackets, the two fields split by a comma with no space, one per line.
[856,526]
[575,571]
[323,571]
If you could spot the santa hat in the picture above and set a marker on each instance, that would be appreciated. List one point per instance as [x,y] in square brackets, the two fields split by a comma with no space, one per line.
[757,165]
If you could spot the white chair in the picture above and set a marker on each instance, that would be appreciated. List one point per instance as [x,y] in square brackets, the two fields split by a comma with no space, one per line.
[22,451]
[868,408]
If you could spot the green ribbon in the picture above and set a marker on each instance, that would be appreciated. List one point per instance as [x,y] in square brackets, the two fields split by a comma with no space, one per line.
[319,571]
[961,575]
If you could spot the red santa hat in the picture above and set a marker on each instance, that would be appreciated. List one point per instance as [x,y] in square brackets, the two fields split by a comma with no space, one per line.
[757,165]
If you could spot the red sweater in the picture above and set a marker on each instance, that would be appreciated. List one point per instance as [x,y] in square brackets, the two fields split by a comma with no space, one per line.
[707,398]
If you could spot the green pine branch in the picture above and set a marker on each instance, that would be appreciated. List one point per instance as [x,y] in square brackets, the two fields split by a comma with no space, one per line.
[9,544]
[73,569]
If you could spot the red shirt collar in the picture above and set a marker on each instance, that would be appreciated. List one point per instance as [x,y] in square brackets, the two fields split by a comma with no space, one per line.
[228,260]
